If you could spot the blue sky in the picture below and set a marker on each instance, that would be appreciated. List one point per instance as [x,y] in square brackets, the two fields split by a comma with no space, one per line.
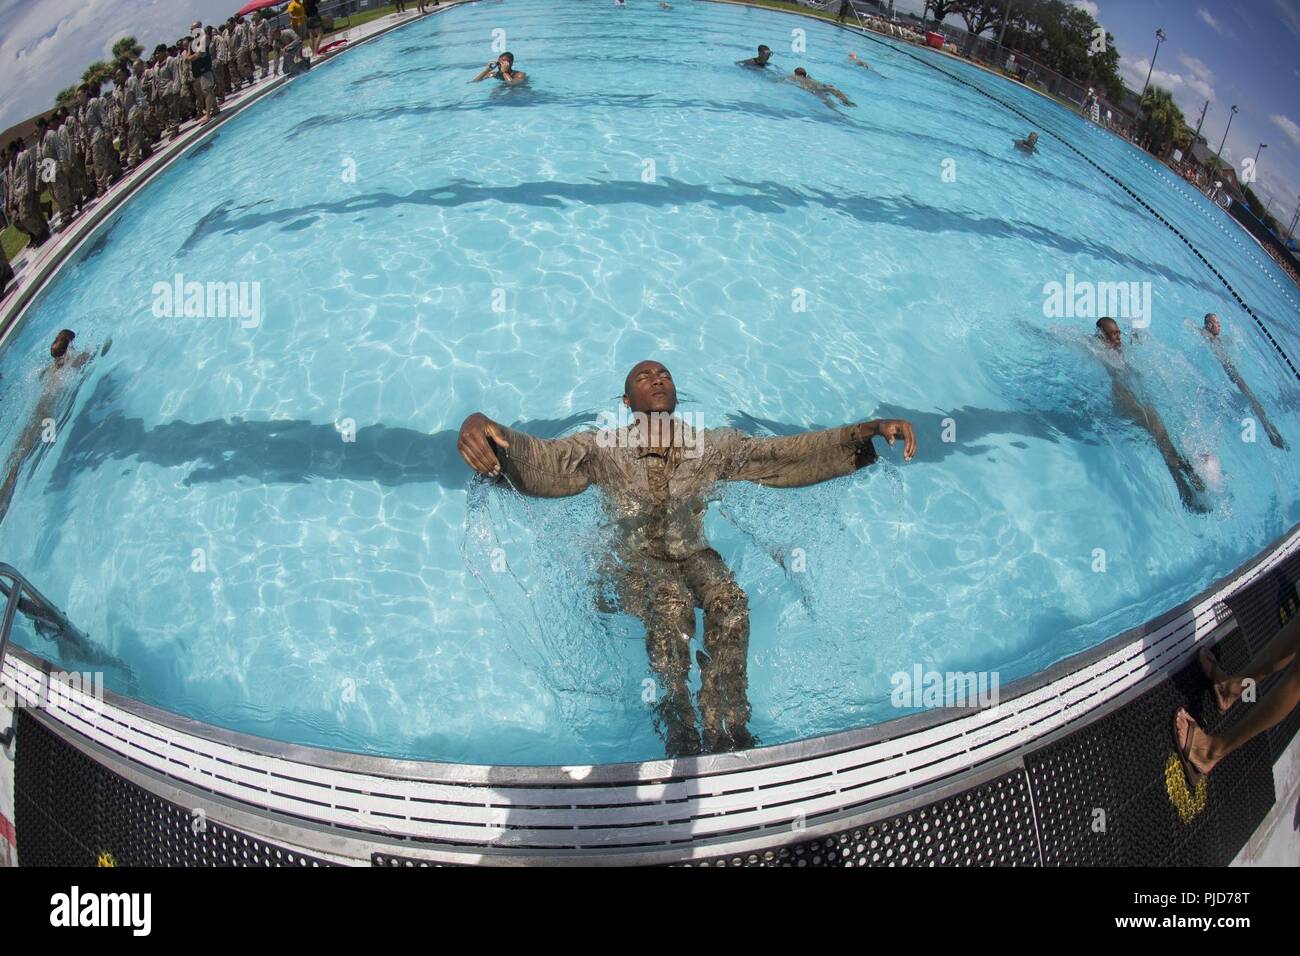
[1245,52]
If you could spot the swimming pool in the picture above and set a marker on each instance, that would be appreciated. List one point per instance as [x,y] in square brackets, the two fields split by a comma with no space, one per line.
[422,248]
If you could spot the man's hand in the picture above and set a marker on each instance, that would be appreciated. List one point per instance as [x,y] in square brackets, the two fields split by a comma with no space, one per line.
[890,429]
[474,445]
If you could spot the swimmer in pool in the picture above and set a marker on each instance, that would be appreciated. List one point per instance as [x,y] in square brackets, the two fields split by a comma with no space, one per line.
[1029,144]
[821,90]
[1211,332]
[55,379]
[857,61]
[656,476]
[503,69]
[760,61]
[1124,385]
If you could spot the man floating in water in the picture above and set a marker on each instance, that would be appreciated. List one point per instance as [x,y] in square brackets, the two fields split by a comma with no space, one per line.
[54,381]
[503,69]
[1029,144]
[656,475]
[760,61]
[802,78]
[1124,384]
[1229,367]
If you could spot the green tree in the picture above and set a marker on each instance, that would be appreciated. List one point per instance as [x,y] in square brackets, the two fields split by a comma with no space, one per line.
[1161,124]
[938,9]
[979,15]
[65,96]
[127,48]
[98,72]
[1065,38]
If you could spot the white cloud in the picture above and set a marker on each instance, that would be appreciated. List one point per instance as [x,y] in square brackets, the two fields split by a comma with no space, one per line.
[1290,15]
[1191,86]
[1288,126]
[1209,20]
[45,46]
[1086,5]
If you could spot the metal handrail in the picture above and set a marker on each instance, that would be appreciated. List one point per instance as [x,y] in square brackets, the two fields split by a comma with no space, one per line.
[38,606]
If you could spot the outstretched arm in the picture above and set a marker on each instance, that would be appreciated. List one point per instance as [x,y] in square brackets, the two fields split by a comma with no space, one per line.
[807,458]
[546,469]
[486,70]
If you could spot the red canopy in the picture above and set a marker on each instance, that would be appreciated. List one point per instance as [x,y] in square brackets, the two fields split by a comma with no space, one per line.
[255,5]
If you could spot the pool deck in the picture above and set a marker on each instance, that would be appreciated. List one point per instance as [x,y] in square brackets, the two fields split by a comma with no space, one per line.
[34,267]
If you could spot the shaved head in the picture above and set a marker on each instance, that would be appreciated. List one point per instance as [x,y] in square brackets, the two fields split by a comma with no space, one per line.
[649,388]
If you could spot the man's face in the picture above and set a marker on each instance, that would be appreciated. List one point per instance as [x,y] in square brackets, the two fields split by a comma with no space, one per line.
[1212,324]
[764,55]
[1110,334]
[505,63]
[650,388]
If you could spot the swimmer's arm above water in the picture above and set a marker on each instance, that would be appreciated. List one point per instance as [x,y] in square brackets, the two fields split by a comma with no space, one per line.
[792,461]
[487,71]
[535,466]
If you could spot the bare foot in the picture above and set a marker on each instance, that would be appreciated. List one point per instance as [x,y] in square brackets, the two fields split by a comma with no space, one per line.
[1198,755]
[1226,690]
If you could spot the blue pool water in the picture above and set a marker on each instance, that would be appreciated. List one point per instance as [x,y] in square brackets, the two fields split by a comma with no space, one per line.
[424,247]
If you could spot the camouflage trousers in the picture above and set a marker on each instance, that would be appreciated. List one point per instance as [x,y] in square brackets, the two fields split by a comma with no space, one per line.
[244,63]
[138,140]
[61,189]
[79,179]
[221,74]
[108,166]
[28,215]
[664,595]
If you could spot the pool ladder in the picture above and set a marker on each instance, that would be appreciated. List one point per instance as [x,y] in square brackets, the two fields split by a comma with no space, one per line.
[17,588]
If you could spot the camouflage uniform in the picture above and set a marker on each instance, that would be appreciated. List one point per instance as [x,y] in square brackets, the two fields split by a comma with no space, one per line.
[136,103]
[104,158]
[25,194]
[168,87]
[221,62]
[243,52]
[262,30]
[83,188]
[56,157]
[662,567]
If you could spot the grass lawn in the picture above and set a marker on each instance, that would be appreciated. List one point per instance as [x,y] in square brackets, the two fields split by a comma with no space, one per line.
[356,19]
[13,241]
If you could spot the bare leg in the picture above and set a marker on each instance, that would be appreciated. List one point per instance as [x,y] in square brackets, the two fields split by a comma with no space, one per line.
[724,666]
[1206,751]
[1277,654]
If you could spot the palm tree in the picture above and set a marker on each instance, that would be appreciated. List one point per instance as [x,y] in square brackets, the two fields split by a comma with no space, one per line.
[65,96]
[98,72]
[127,48]
[1162,122]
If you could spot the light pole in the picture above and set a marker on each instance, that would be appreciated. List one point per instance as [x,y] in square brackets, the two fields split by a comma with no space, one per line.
[1294,220]
[1225,134]
[1254,169]
[1160,38]
[1006,11]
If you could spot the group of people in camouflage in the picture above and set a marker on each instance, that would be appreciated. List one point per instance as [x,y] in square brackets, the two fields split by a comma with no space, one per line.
[81,149]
